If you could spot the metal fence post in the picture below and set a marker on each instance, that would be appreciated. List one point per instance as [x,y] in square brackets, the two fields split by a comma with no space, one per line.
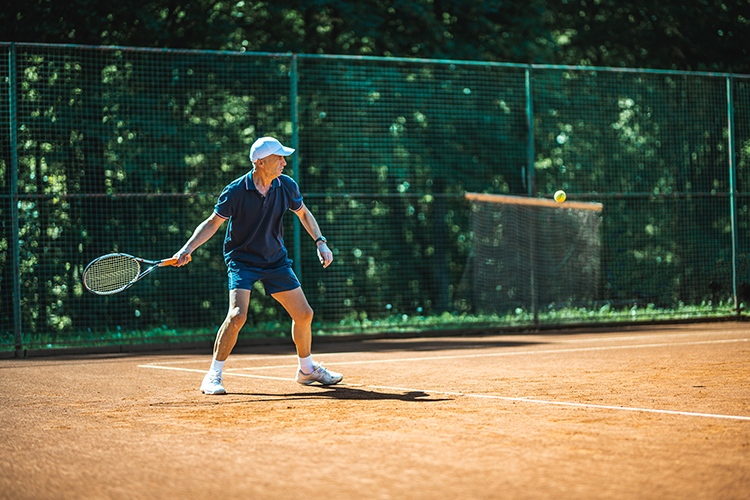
[733,191]
[294,77]
[15,247]
[531,184]
[531,187]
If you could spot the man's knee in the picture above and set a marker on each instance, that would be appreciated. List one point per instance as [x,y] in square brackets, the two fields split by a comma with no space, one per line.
[237,315]
[304,315]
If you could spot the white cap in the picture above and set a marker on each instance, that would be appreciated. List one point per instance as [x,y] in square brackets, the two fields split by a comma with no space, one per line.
[267,146]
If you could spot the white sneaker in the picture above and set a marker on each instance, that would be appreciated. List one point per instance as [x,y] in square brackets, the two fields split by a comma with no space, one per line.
[212,383]
[320,374]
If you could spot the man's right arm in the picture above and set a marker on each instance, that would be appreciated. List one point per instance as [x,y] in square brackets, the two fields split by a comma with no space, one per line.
[202,234]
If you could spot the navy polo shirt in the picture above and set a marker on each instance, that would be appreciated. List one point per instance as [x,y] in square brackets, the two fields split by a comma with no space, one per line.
[255,235]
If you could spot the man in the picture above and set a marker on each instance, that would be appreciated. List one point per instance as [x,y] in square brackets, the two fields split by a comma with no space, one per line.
[254,251]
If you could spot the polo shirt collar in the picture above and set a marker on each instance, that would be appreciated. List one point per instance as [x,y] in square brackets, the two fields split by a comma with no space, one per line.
[249,184]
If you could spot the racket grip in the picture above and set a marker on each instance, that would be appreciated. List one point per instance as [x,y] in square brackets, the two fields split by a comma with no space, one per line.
[172,262]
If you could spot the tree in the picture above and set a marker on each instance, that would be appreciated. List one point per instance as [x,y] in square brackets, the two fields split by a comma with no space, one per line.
[696,35]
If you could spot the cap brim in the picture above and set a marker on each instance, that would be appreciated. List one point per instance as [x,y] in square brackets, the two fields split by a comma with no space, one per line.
[283,151]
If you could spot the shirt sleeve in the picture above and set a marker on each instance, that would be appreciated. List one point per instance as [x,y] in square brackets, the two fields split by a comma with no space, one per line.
[294,197]
[224,204]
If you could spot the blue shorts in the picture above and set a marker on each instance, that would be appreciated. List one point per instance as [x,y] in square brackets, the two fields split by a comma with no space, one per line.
[280,279]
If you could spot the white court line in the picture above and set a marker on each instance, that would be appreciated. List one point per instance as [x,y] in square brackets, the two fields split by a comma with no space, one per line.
[204,372]
[562,403]
[242,358]
[650,336]
[487,396]
[496,354]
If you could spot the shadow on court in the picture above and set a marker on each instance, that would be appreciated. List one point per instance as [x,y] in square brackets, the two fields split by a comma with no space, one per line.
[340,392]
[347,393]
[421,345]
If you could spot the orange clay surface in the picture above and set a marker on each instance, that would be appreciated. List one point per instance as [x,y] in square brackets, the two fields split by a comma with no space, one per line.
[641,412]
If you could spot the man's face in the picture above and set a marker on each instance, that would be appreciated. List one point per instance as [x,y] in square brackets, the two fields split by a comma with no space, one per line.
[271,165]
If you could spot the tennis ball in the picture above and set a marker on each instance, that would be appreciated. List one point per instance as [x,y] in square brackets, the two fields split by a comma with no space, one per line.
[560,196]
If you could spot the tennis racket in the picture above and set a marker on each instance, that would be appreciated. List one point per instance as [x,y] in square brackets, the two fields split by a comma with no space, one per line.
[116,272]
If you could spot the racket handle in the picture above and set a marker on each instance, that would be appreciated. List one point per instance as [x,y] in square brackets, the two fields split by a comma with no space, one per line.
[172,262]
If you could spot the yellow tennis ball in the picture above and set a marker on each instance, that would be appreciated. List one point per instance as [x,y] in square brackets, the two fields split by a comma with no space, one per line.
[560,196]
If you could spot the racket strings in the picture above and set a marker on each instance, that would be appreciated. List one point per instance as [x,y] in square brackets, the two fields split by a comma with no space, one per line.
[111,273]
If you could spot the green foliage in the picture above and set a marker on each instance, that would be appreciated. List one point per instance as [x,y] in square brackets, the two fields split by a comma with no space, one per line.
[691,35]
[706,35]
[467,29]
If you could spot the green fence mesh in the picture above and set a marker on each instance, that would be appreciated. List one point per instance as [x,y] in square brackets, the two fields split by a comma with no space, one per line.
[119,149]
[654,150]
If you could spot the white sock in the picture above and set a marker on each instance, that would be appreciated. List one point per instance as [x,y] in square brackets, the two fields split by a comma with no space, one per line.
[306,365]
[217,365]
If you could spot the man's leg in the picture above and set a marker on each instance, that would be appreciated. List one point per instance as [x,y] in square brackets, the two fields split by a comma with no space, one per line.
[239,301]
[295,303]
[226,338]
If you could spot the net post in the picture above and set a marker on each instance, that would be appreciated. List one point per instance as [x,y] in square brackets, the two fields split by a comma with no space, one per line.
[14,251]
[531,186]
[733,190]
[297,233]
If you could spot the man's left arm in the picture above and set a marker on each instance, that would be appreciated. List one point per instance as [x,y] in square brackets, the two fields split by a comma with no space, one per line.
[311,226]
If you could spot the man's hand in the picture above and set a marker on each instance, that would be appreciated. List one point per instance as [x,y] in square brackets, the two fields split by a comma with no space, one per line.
[183,257]
[325,256]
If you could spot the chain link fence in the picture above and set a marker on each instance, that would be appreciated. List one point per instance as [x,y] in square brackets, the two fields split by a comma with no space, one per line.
[123,149]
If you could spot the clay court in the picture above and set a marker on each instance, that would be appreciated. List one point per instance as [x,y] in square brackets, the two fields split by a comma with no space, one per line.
[636,412]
